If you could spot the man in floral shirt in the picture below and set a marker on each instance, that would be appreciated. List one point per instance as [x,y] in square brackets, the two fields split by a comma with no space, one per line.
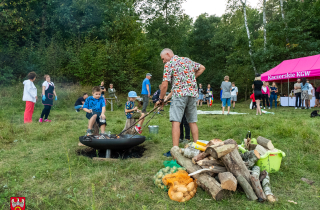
[182,73]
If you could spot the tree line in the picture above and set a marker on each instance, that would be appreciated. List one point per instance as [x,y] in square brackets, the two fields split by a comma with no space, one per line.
[118,41]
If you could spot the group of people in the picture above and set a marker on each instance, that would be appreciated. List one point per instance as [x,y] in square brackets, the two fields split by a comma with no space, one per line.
[228,94]
[30,97]
[266,93]
[304,92]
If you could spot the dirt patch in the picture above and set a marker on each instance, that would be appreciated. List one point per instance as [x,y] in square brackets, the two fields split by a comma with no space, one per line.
[135,152]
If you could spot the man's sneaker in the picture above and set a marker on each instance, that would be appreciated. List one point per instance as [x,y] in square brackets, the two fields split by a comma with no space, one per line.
[40,120]
[89,132]
[46,120]
[296,108]
[77,110]
[167,154]
[233,107]
[180,140]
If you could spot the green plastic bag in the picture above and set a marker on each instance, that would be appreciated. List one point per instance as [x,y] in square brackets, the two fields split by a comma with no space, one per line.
[171,164]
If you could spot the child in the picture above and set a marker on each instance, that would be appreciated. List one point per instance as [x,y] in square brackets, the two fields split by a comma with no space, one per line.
[133,113]
[155,97]
[29,96]
[254,105]
[234,94]
[95,108]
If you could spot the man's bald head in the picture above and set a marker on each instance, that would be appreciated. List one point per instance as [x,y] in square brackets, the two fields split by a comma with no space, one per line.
[166,55]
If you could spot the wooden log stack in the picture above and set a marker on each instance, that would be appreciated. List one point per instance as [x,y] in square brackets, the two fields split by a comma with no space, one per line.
[220,168]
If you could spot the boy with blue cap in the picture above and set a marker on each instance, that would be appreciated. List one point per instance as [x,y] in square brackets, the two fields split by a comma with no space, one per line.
[132,112]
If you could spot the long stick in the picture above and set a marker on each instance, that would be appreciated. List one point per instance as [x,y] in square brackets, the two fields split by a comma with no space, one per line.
[141,118]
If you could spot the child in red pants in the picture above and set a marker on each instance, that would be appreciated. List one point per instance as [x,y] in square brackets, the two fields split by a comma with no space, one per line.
[29,96]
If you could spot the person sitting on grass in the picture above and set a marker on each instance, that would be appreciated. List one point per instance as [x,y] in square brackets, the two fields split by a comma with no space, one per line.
[80,101]
[95,108]
[29,96]
[132,112]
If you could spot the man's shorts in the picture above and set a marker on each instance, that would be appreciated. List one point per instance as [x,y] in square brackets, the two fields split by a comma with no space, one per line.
[226,101]
[233,97]
[310,97]
[89,115]
[185,104]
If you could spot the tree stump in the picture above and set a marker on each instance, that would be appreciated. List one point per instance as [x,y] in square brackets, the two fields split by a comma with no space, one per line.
[199,157]
[222,148]
[206,182]
[261,150]
[210,163]
[251,157]
[228,181]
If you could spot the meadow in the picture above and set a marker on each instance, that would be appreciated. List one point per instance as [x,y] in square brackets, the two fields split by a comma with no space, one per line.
[40,162]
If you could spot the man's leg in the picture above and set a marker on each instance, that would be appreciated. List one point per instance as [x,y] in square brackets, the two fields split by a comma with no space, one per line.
[181,130]
[175,133]
[145,103]
[103,128]
[194,131]
[186,128]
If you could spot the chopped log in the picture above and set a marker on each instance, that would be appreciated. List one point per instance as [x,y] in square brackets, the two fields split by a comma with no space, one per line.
[265,143]
[228,181]
[95,129]
[211,170]
[251,157]
[247,188]
[206,182]
[234,164]
[189,152]
[213,141]
[255,183]
[267,190]
[261,150]
[210,163]
[263,175]
[221,149]
[252,146]
[210,158]
[199,157]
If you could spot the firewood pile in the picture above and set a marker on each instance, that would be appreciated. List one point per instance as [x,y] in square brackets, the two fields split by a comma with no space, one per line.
[220,169]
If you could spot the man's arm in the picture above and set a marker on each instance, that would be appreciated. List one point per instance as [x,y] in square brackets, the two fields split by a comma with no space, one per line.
[200,71]
[164,88]
[148,90]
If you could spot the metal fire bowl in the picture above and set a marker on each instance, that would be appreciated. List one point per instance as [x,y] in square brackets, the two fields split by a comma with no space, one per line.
[123,143]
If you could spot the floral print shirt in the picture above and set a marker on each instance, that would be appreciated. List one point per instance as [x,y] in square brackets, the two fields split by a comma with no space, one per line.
[129,105]
[181,72]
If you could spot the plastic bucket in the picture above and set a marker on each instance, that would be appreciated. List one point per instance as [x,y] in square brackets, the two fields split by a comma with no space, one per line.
[271,161]
[153,129]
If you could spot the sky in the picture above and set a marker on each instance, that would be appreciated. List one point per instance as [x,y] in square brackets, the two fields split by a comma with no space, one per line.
[194,8]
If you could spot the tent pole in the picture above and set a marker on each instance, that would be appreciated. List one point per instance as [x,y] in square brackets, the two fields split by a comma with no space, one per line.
[281,87]
[288,91]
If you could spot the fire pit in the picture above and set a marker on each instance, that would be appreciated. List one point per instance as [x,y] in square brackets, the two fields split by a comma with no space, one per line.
[112,142]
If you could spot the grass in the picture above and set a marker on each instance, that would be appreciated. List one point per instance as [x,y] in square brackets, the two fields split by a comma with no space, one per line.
[39,161]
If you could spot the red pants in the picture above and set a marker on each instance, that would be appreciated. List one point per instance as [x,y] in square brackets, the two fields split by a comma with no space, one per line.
[28,112]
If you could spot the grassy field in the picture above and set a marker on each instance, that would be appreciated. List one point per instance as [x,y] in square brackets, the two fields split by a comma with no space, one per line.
[39,161]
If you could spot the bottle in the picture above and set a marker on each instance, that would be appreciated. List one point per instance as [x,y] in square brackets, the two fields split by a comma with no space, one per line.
[202,142]
[198,147]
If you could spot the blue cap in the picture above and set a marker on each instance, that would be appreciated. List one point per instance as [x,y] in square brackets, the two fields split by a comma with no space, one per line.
[132,94]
